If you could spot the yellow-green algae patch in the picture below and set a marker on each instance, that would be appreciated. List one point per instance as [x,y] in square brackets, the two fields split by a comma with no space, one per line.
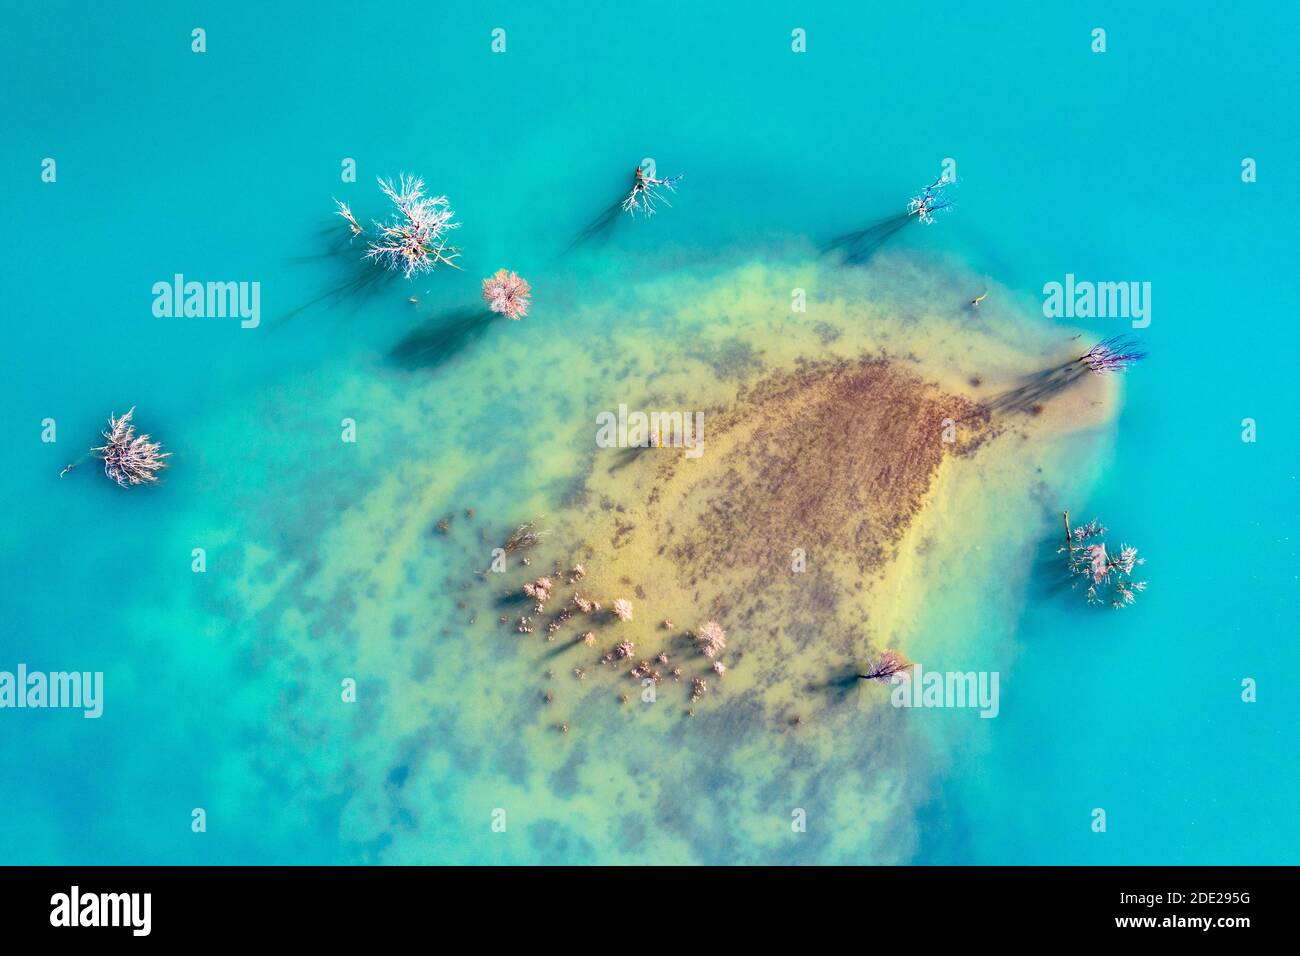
[824,435]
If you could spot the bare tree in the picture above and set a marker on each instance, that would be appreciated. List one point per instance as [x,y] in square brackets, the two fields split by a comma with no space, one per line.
[887,667]
[129,459]
[1109,575]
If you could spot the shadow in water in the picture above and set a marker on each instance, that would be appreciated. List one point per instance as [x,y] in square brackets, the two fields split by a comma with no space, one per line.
[860,246]
[1051,575]
[1059,583]
[838,686]
[368,280]
[335,242]
[599,229]
[510,600]
[628,455]
[365,277]
[1037,388]
[441,338]
[564,646]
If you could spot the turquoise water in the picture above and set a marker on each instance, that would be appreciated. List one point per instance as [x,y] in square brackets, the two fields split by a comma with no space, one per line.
[322,562]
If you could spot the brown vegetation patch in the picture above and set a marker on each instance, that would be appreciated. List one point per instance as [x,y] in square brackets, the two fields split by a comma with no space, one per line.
[834,457]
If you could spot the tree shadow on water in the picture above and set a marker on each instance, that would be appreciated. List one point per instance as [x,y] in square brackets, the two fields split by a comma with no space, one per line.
[368,280]
[861,245]
[599,229]
[1049,570]
[441,338]
[627,456]
[838,686]
[363,278]
[334,243]
[1037,388]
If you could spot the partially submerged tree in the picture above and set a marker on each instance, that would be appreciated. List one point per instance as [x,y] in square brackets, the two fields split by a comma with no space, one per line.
[129,459]
[887,667]
[860,245]
[712,638]
[647,191]
[507,293]
[346,213]
[1115,354]
[930,201]
[525,536]
[539,591]
[698,689]
[415,240]
[1109,575]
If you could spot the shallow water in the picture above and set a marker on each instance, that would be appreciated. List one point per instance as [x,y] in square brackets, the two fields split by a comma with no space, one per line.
[324,559]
